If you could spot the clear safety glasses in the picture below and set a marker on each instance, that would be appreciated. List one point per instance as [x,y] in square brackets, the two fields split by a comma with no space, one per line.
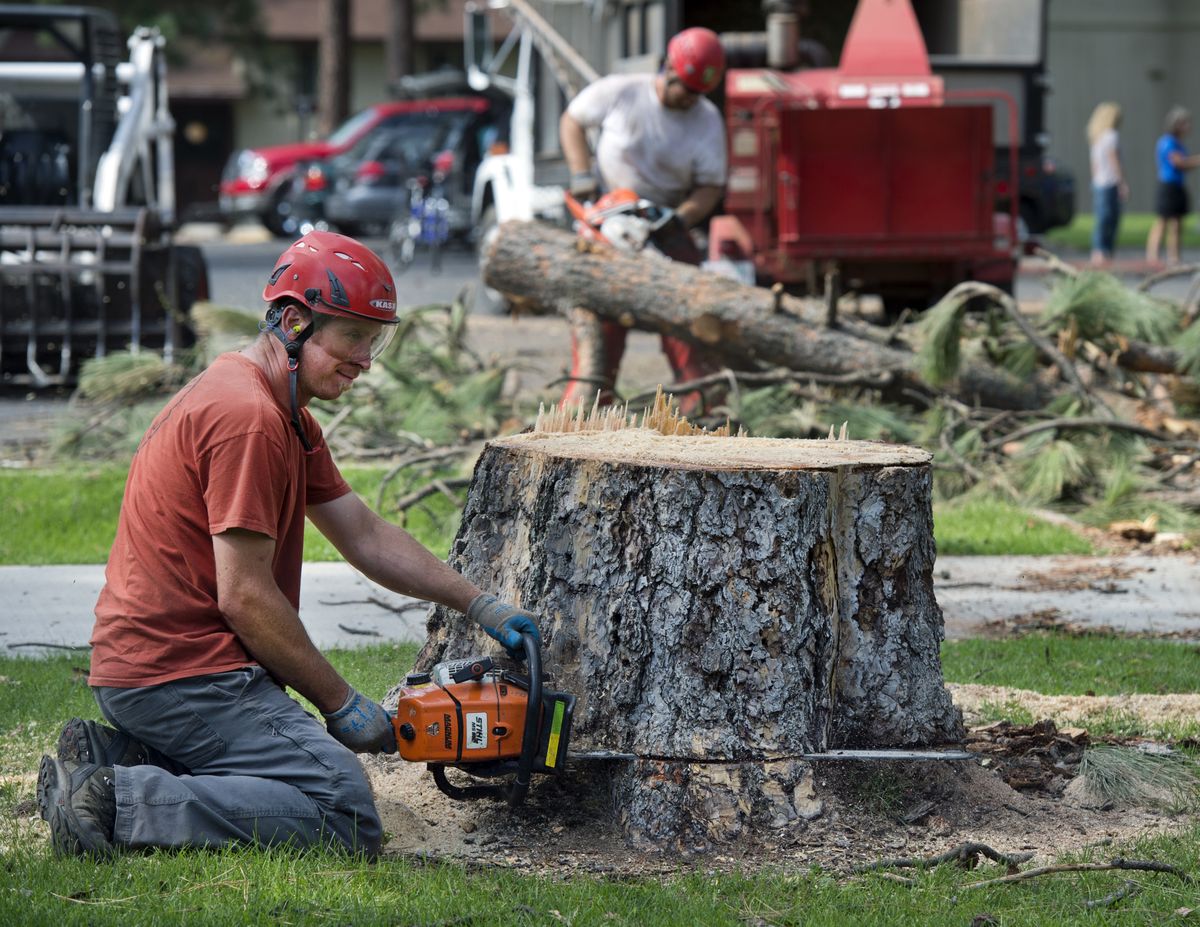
[353,339]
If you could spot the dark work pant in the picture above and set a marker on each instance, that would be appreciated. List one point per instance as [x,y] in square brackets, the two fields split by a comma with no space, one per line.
[260,768]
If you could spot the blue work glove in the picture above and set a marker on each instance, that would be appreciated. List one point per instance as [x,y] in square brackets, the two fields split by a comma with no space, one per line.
[362,725]
[504,623]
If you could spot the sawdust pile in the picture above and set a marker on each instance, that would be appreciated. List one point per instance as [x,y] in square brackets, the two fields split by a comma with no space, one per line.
[1076,709]
[565,828]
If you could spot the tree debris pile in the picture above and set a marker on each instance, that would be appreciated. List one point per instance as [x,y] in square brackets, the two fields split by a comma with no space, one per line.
[1034,757]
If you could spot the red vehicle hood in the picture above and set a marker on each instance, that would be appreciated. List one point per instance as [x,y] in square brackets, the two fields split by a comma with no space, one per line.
[280,156]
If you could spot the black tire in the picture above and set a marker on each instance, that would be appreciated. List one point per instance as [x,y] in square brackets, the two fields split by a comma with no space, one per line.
[278,217]
[487,301]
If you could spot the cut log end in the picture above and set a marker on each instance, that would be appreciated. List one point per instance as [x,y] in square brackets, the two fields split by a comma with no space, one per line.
[645,447]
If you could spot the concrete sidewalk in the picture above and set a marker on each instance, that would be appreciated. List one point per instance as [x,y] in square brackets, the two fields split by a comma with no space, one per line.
[339,607]
[52,605]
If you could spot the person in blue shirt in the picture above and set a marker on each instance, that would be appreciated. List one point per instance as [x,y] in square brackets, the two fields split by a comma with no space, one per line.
[1171,201]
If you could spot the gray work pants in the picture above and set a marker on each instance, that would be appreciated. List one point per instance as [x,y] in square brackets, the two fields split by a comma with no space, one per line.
[255,767]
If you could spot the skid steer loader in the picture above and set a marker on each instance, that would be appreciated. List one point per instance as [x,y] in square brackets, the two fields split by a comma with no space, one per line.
[87,263]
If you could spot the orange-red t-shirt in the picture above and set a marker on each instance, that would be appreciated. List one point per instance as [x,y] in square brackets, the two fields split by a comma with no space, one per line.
[221,455]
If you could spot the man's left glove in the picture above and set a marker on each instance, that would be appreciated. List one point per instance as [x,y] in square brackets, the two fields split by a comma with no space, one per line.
[504,623]
[362,725]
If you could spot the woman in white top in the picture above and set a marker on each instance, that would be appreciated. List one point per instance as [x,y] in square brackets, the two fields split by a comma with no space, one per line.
[1109,189]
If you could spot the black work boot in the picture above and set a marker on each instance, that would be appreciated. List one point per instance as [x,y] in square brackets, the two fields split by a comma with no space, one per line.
[79,802]
[91,742]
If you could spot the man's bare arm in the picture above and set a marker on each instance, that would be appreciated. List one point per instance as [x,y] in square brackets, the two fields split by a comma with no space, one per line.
[389,555]
[573,138]
[699,204]
[258,612]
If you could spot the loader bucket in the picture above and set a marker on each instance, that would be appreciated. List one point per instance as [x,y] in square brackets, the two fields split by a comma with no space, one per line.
[76,284]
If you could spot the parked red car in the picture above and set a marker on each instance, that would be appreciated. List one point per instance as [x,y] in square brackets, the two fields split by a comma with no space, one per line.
[256,181]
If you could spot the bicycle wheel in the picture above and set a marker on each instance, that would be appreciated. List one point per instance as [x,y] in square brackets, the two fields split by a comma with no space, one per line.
[400,244]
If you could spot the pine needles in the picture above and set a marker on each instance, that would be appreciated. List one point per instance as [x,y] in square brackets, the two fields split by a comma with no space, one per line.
[1096,306]
[124,377]
[940,330]
[1130,776]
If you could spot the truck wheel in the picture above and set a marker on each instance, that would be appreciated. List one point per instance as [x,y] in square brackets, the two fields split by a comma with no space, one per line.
[487,301]
[278,217]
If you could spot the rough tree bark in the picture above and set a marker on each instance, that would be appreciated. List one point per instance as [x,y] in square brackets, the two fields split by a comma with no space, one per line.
[537,264]
[718,605]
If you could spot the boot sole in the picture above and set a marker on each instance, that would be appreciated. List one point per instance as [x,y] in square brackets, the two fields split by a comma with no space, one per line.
[54,804]
[75,745]
[81,742]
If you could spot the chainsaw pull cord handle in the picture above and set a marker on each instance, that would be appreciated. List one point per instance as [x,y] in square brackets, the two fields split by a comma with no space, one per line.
[533,721]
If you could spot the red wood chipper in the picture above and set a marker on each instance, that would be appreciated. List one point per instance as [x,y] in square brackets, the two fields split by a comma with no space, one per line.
[871,175]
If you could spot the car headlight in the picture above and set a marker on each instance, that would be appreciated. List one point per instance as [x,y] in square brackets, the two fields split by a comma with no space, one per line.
[253,167]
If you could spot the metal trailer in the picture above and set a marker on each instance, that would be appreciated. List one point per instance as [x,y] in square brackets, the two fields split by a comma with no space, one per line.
[87,203]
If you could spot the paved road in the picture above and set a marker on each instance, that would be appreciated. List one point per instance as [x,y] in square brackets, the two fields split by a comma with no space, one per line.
[52,605]
[978,595]
[238,272]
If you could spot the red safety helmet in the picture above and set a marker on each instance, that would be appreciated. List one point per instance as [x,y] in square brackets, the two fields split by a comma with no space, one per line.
[698,58]
[336,275]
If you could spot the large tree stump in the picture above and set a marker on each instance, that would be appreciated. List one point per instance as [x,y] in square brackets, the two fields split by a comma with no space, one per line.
[720,606]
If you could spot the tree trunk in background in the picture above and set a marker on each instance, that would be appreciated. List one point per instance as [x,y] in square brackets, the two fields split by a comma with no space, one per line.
[333,95]
[718,605]
[399,39]
[538,265]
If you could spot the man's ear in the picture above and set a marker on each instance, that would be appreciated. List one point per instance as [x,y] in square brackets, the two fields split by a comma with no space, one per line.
[295,319]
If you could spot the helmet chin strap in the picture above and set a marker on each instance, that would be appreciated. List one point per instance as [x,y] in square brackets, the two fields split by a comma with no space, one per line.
[292,346]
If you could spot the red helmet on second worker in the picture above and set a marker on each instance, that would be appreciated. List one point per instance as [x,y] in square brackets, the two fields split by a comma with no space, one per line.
[698,58]
[336,275]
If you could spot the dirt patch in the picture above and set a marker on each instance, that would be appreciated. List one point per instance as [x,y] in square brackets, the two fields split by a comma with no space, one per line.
[862,813]
[1045,620]
[1077,576]
[1079,710]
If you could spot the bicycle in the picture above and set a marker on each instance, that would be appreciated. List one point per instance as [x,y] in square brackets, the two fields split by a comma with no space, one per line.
[427,224]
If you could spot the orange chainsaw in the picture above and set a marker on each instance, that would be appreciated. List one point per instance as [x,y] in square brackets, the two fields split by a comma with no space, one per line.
[486,721]
[472,716]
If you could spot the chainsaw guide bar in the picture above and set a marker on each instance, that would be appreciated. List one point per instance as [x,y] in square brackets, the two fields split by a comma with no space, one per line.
[844,756]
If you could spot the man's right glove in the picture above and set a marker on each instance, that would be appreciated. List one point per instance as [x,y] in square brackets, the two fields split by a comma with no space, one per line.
[583,186]
[504,623]
[362,725]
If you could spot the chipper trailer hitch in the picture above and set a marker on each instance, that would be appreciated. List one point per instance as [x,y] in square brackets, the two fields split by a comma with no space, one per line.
[475,717]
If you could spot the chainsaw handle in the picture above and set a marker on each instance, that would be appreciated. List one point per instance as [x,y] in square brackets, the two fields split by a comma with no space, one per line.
[533,721]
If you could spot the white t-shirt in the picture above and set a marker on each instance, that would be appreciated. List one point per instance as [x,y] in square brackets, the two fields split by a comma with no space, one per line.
[1104,172]
[661,154]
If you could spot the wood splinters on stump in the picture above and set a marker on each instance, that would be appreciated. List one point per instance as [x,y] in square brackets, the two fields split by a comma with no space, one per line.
[662,416]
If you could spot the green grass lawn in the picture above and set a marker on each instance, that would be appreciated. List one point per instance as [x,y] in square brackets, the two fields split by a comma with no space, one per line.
[989,526]
[1131,233]
[1057,664]
[70,516]
[247,886]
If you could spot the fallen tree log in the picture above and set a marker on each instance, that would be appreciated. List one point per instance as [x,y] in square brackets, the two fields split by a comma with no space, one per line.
[535,263]
[719,606]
